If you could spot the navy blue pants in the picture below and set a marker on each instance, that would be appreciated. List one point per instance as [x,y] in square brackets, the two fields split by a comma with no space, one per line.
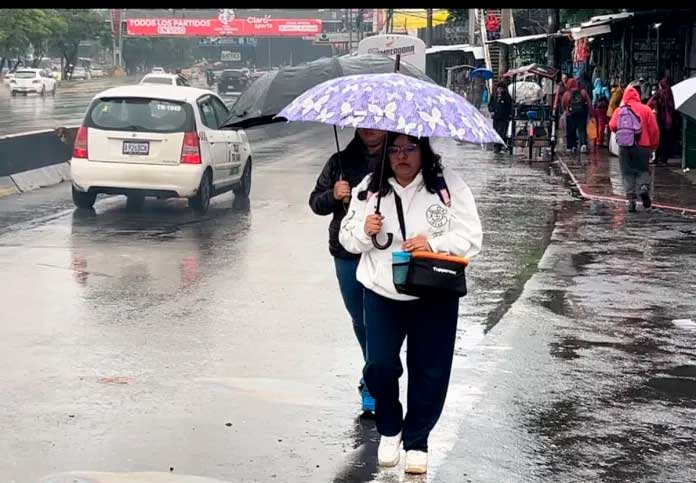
[352,293]
[431,328]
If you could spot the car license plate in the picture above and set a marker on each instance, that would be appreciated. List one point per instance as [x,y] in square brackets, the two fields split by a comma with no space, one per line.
[141,148]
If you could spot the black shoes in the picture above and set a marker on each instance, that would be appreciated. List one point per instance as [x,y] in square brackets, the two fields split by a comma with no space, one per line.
[645,196]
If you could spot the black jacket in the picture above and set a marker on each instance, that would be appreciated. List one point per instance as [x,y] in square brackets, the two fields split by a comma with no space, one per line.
[356,163]
[500,106]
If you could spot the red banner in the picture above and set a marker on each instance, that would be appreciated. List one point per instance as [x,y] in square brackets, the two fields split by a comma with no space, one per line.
[214,27]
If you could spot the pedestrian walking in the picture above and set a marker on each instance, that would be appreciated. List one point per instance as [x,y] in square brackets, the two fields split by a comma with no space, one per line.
[500,107]
[331,196]
[662,104]
[576,105]
[617,92]
[637,135]
[600,104]
[414,182]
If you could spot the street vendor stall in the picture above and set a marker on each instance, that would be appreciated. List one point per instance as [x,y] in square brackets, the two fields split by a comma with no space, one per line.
[533,125]
[459,80]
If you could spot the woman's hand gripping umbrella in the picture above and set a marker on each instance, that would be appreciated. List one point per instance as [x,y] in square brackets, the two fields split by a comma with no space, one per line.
[392,102]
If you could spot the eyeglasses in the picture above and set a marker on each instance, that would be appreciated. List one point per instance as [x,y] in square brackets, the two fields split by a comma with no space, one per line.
[406,149]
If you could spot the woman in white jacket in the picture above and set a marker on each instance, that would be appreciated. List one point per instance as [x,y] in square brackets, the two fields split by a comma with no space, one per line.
[413,172]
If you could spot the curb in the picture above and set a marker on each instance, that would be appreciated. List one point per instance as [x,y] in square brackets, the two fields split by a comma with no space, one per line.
[619,199]
[34,179]
[7,186]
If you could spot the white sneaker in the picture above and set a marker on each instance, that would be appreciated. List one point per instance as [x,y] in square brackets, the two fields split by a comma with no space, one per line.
[416,462]
[389,450]
[583,148]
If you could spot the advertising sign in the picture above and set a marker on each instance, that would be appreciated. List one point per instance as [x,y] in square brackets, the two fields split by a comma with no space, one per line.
[228,56]
[223,27]
[412,49]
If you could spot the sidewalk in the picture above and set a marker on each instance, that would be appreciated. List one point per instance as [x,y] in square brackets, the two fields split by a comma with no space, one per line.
[598,177]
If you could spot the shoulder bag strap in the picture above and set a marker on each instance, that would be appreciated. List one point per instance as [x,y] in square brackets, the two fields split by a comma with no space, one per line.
[400,214]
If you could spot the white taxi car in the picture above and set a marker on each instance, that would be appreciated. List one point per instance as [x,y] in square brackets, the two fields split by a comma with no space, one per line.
[165,79]
[162,141]
[40,81]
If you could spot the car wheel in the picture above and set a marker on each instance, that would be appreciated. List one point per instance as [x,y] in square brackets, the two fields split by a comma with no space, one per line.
[135,202]
[243,188]
[84,201]
[201,201]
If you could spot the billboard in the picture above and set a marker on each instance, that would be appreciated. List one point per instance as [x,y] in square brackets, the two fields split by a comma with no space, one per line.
[223,26]
[412,49]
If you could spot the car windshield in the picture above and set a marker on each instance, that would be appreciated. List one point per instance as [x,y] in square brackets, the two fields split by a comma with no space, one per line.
[25,74]
[140,114]
[157,80]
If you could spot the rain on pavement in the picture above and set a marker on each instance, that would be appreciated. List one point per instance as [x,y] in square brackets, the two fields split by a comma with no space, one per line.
[158,346]
[33,112]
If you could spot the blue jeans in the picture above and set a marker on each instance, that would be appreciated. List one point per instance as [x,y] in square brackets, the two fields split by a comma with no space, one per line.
[352,293]
[429,328]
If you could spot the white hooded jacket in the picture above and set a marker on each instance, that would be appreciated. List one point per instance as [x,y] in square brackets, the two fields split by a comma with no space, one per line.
[455,230]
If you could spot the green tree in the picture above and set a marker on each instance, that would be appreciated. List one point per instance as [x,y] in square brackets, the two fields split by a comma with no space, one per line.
[458,15]
[19,28]
[74,27]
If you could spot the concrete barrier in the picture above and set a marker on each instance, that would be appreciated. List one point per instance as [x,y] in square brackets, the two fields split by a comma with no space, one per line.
[35,159]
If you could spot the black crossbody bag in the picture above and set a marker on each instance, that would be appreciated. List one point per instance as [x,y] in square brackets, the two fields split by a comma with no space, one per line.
[430,275]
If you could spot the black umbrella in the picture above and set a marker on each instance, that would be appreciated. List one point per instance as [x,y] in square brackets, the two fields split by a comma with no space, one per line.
[270,93]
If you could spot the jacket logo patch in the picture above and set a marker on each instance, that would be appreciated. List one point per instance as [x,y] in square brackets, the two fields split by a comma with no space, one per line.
[436,216]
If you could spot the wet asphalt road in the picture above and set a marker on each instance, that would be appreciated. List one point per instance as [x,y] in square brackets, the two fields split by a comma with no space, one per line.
[33,112]
[163,347]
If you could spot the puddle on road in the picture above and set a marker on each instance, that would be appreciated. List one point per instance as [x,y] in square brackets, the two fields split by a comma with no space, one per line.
[143,477]
[686,324]
[568,346]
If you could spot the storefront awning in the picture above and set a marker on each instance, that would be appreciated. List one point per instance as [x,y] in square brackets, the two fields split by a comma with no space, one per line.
[474,49]
[582,32]
[519,40]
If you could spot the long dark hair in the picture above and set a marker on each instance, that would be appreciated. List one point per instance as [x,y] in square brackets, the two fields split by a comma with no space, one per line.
[430,167]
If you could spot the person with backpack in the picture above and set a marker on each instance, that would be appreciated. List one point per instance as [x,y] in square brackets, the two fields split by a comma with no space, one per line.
[576,104]
[600,103]
[331,196]
[637,135]
[427,208]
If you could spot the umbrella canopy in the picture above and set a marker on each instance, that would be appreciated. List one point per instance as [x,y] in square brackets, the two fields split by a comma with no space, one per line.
[393,102]
[685,97]
[270,93]
[484,74]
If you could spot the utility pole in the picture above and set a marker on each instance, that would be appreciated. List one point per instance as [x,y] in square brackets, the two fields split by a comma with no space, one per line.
[554,19]
[350,30]
[429,28]
[472,26]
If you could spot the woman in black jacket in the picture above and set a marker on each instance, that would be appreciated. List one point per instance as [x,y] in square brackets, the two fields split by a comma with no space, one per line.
[331,196]
[500,107]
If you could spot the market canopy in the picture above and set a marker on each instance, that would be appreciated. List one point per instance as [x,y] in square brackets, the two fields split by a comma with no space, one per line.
[416,18]
[519,40]
[534,69]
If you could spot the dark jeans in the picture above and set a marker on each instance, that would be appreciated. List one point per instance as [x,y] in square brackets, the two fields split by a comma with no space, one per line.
[634,162]
[352,293]
[431,329]
[665,147]
[576,128]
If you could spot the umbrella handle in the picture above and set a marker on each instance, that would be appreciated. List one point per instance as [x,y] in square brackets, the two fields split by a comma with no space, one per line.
[387,244]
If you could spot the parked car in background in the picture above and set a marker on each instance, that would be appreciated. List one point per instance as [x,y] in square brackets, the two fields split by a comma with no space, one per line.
[80,73]
[7,77]
[166,79]
[40,81]
[162,141]
[158,70]
[233,80]
[96,71]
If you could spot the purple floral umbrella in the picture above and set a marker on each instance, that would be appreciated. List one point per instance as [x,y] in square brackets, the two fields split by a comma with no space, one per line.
[392,102]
